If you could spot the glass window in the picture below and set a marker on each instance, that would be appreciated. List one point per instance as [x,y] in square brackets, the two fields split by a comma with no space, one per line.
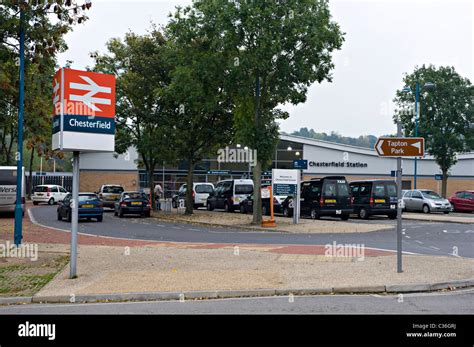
[343,189]
[469,196]
[203,188]
[112,190]
[243,189]
[54,189]
[8,177]
[62,190]
[134,195]
[315,190]
[90,197]
[41,189]
[407,194]
[460,195]
[379,190]
[329,189]
[416,194]
[355,190]
[365,190]
[431,194]
[391,189]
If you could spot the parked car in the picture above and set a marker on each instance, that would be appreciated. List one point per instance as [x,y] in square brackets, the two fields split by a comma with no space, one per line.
[246,205]
[132,203]
[374,197]
[425,200]
[89,204]
[48,193]
[463,201]
[201,191]
[109,194]
[327,196]
[229,193]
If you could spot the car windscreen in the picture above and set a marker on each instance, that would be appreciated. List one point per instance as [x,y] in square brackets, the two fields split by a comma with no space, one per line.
[7,177]
[243,189]
[391,189]
[41,189]
[379,190]
[134,196]
[431,194]
[203,188]
[343,189]
[112,190]
[83,198]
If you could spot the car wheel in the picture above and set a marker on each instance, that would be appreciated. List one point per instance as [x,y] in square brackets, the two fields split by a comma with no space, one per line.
[100,218]
[446,212]
[392,216]
[227,208]
[174,204]
[363,214]
[59,216]
[68,217]
[286,212]
[314,214]
[148,214]
[115,213]
[120,214]
[242,209]
[345,217]
[35,203]
[209,206]
[426,209]
[51,201]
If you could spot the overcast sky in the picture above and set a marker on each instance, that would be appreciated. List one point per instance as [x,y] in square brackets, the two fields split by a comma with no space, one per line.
[384,39]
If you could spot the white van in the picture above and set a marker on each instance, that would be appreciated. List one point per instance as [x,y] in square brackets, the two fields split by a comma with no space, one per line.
[48,193]
[229,193]
[8,189]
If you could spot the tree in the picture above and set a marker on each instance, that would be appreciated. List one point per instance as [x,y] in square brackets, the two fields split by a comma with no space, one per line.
[446,114]
[201,106]
[141,119]
[274,51]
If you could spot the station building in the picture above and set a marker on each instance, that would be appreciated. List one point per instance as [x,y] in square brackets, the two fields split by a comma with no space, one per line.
[324,158]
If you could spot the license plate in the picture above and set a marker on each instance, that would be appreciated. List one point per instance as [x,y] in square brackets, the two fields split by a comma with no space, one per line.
[330,201]
[338,211]
[379,201]
[393,207]
[40,194]
[136,203]
[87,206]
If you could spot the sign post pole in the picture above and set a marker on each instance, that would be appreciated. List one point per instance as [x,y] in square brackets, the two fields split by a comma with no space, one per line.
[399,206]
[75,214]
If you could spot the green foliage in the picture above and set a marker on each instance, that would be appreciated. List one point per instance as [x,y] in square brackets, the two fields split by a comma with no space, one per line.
[446,112]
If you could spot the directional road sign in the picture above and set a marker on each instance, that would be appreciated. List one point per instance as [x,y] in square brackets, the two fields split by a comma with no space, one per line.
[400,146]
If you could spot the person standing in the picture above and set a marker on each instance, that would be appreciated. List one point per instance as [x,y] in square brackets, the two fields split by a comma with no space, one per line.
[158,192]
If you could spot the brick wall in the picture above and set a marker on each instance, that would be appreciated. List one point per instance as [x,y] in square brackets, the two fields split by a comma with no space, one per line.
[90,181]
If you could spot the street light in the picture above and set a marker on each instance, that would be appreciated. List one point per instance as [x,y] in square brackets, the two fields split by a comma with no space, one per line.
[427,85]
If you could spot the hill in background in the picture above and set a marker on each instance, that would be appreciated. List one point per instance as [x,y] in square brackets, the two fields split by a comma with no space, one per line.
[361,141]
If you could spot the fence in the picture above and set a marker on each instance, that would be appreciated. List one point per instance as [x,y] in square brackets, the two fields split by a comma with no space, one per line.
[63,179]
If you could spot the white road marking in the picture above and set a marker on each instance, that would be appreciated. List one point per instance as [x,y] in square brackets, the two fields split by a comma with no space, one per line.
[418,242]
[433,247]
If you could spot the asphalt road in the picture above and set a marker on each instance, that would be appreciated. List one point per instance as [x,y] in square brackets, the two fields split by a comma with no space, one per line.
[418,236]
[460,302]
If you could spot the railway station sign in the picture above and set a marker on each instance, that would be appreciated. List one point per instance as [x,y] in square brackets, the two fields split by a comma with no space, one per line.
[400,146]
[84,111]
[284,182]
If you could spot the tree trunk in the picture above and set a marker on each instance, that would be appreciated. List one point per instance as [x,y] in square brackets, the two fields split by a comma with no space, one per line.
[30,183]
[151,184]
[257,201]
[444,183]
[189,189]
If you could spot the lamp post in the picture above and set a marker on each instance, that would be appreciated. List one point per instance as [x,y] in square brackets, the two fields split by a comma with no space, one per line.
[18,234]
[427,85]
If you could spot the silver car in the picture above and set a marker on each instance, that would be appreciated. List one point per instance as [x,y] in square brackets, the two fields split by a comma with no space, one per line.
[425,200]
